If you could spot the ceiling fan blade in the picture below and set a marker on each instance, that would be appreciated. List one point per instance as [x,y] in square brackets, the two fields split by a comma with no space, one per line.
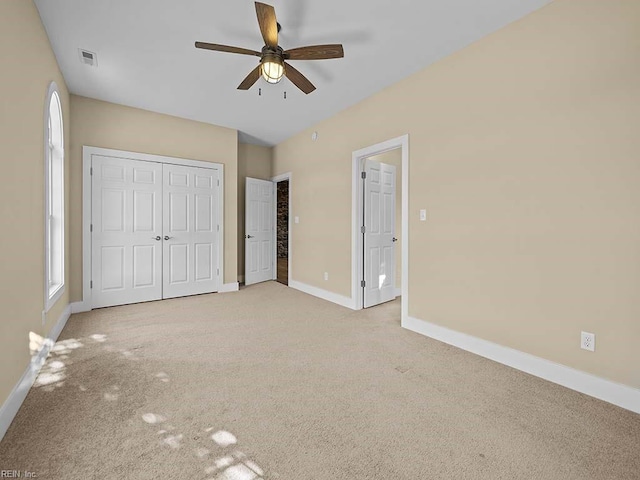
[250,79]
[315,52]
[226,48]
[298,79]
[268,24]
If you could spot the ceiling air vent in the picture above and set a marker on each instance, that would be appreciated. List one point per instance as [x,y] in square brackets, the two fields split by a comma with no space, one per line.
[88,58]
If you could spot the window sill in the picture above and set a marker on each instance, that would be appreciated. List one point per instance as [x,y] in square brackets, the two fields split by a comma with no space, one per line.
[54,297]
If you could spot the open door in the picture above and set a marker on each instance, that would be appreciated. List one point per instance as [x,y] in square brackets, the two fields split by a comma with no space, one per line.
[259,230]
[379,232]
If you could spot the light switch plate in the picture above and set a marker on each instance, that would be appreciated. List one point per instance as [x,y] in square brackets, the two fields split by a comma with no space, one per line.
[296,219]
[423,215]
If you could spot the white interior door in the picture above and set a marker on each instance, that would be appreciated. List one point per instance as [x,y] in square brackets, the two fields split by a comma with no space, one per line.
[259,230]
[190,219]
[127,227]
[379,230]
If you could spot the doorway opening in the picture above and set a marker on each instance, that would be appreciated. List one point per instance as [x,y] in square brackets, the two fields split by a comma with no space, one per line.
[381,224]
[282,232]
[268,230]
[392,152]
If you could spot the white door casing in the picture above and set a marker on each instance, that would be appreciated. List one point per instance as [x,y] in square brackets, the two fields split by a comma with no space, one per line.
[190,226]
[259,230]
[379,232]
[127,224]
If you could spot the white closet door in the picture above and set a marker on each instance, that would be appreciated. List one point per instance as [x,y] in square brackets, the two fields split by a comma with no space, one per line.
[379,241]
[190,219]
[259,217]
[127,228]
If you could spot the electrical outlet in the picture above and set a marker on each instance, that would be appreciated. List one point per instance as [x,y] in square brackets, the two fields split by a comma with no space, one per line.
[326,275]
[588,341]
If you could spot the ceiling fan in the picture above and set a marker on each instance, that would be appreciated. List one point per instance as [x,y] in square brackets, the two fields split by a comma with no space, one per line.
[273,65]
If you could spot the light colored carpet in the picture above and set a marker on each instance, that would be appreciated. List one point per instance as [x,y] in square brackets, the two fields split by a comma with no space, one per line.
[270,383]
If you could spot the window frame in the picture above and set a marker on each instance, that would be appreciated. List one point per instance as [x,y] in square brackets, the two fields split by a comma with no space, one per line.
[53,294]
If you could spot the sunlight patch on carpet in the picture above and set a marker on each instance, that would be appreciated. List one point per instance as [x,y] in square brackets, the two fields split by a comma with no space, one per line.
[224,438]
[153,418]
[237,472]
[173,441]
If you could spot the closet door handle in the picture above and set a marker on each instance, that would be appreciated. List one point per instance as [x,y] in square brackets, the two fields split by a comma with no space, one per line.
[167,237]
[158,238]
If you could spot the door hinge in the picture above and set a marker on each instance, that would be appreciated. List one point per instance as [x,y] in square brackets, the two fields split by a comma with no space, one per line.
[363,283]
[91,227]
[218,182]
[363,229]
[91,284]
[218,270]
[91,171]
[218,227]
[363,174]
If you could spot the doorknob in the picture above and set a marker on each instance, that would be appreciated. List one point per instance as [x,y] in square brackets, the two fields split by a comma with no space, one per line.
[167,237]
[158,238]
[249,236]
[394,239]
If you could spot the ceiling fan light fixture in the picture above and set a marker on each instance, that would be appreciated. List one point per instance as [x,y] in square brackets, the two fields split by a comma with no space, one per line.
[272,68]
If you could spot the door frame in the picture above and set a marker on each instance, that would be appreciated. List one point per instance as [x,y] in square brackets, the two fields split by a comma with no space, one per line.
[357,244]
[87,153]
[275,180]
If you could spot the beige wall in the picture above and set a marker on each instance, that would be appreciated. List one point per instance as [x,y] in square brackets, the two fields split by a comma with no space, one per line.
[524,149]
[253,161]
[28,66]
[101,124]
[394,157]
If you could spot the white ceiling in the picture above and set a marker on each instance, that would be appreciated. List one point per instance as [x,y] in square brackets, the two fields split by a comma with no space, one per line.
[147,59]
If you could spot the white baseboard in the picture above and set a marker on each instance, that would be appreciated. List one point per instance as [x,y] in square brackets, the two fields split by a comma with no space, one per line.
[79,307]
[229,287]
[324,294]
[612,392]
[19,393]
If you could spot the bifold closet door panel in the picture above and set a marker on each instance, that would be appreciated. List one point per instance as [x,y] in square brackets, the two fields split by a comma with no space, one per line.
[190,230]
[126,231]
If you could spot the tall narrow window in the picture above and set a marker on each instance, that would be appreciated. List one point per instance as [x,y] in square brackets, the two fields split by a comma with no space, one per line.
[54,198]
